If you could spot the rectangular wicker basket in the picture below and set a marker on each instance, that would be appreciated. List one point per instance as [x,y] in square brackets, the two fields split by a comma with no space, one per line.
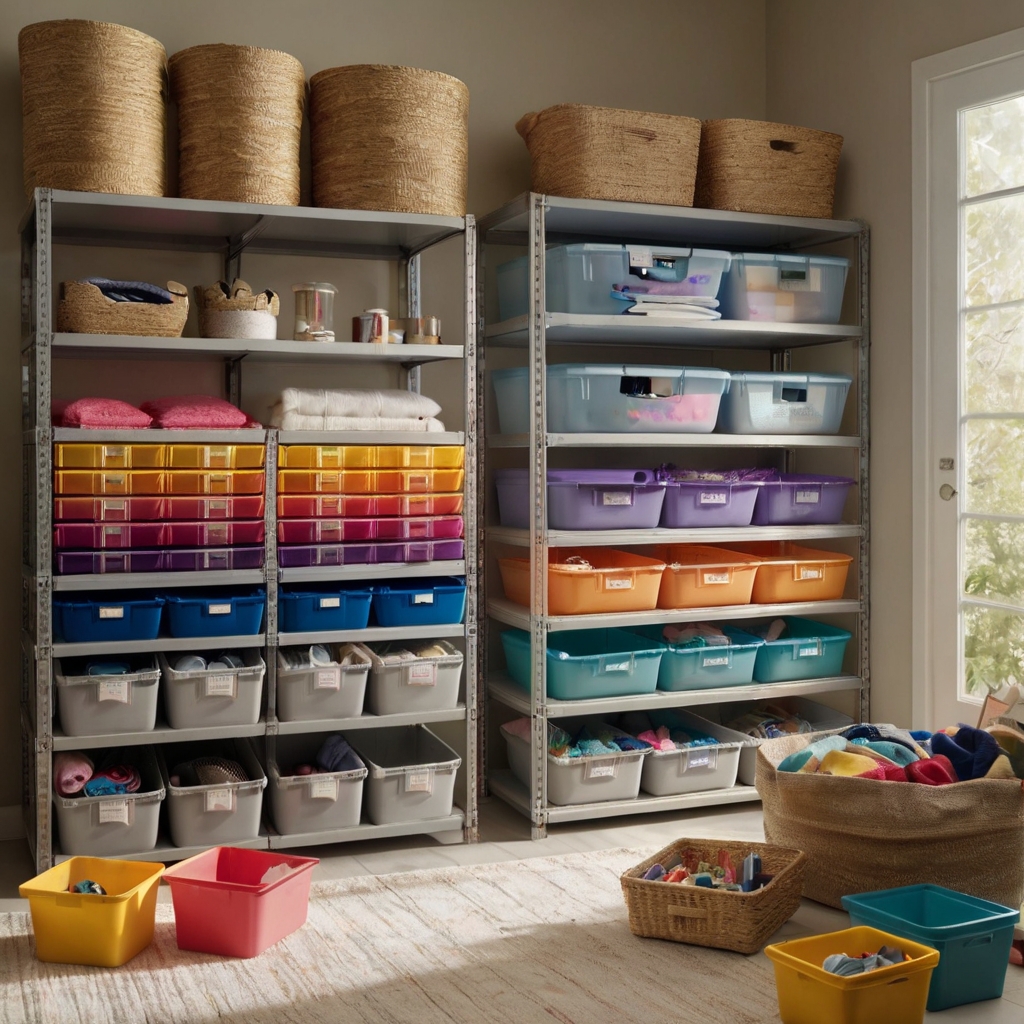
[84,309]
[741,921]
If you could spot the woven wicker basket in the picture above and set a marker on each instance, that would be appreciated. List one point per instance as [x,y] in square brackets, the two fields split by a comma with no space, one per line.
[239,123]
[760,167]
[84,309]
[620,155]
[389,138]
[742,921]
[93,108]
[241,314]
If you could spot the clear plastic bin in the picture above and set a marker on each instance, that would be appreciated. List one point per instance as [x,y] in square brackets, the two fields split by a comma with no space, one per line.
[784,403]
[704,576]
[228,481]
[106,618]
[424,602]
[196,698]
[133,510]
[361,456]
[314,506]
[329,607]
[808,650]
[216,456]
[784,288]
[336,531]
[699,504]
[429,680]
[801,498]
[789,572]
[206,614]
[103,704]
[110,456]
[110,536]
[78,563]
[222,533]
[369,481]
[96,483]
[320,692]
[705,668]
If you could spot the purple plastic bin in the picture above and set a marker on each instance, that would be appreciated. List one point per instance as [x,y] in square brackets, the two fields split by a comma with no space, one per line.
[289,556]
[77,563]
[584,499]
[110,536]
[795,498]
[695,499]
[209,559]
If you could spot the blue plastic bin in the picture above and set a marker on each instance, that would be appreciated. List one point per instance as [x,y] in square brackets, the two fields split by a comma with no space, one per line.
[107,618]
[705,668]
[433,601]
[212,614]
[972,936]
[809,650]
[588,663]
[306,611]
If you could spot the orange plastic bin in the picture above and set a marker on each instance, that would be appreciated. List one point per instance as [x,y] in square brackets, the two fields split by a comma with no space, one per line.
[702,576]
[789,572]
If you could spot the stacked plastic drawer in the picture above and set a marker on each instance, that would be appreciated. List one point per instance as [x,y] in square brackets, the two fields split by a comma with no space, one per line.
[369,505]
[158,507]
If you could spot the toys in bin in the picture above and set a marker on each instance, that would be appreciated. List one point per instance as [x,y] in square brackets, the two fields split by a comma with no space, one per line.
[693,868]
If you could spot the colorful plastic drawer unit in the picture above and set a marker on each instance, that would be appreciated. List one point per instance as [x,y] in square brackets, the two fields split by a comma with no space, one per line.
[427,602]
[134,510]
[121,481]
[588,581]
[370,553]
[371,456]
[330,607]
[313,506]
[206,614]
[336,531]
[789,572]
[110,456]
[216,456]
[699,499]
[369,481]
[238,481]
[206,534]
[709,667]
[797,498]
[704,576]
[806,650]
[107,536]
[106,618]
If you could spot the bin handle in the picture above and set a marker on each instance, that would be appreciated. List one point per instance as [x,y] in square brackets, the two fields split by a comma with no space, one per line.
[898,981]
[978,940]
[686,912]
[790,392]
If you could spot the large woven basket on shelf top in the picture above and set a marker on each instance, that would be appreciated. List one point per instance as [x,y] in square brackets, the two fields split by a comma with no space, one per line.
[93,108]
[239,123]
[761,167]
[620,155]
[389,138]
[741,921]
[84,309]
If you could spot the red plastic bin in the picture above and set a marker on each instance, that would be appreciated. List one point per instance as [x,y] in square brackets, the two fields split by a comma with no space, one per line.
[121,510]
[222,905]
[218,534]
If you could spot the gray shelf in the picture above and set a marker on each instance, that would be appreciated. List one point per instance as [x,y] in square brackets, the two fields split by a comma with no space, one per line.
[367,721]
[164,851]
[431,826]
[189,643]
[678,441]
[157,580]
[161,734]
[704,535]
[411,437]
[150,436]
[373,633]
[390,571]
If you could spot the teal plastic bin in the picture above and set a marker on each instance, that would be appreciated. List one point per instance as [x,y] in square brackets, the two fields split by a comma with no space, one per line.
[587,663]
[809,650]
[972,936]
[706,668]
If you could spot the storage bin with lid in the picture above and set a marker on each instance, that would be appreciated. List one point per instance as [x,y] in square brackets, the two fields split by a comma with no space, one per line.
[704,576]
[110,456]
[784,288]
[309,690]
[588,663]
[362,456]
[614,399]
[432,601]
[784,403]
[790,572]
[708,667]
[203,613]
[98,700]
[228,481]
[797,498]
[323,607]
[106,618]
[369,481]
[411,774]
[216,456]
[806,650]
[589,277]
[315,506]
[696,499]
[220,694]
[414,675]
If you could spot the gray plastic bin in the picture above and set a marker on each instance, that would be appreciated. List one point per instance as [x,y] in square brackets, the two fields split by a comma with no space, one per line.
[217,815]
[311,803]
[411,774]
[317,692]
[98,705]
[694,769]
[113,826]
[204,697]
[424,683]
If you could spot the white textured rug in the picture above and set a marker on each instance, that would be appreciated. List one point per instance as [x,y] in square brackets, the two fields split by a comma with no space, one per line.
[541,940]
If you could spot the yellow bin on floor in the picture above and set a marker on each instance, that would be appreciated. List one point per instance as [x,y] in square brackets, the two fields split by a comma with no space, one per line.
[101,931]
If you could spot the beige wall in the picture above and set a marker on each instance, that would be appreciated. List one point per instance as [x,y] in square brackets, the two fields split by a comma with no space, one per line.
[676,56]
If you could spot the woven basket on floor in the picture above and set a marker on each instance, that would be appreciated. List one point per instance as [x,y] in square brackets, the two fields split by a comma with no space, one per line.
[760,167]
[620,155]
[93,108]
[741,921]
[84,309]
[389,138]
[239,122]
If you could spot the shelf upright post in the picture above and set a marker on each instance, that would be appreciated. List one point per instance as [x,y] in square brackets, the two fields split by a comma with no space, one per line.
[271,573]
[410,305]
[864,430]
[479,454]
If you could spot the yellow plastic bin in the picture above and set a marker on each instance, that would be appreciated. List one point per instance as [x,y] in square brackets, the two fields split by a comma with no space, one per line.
[790,572]
[100,931]
[216,456]
[302,456]
[808,994]
[110,456]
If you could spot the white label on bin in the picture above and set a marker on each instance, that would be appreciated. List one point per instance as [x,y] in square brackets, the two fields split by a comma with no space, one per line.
[218,609]
[811,574]
[640,257]
[807,652]
[618,666]
[616,498]
[112,613]
[714,498]
[419,782]
[423,598]
[423,674]
[330,602]
[611,583]
[808,497]
[716,577]
[114,811]
[114,689]
[327,679]
[220,800]
[112,531]
[714,661]
[222,685]
[602,769]
[702,757]
[808,280]
[323,787]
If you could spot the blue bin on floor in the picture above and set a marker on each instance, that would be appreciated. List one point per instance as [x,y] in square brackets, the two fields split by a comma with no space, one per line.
[212,614]
[106,619]
[809,650]
[324,608]
[973,936]
[435,601]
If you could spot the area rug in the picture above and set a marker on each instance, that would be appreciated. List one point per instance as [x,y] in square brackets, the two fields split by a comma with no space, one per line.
[540,940]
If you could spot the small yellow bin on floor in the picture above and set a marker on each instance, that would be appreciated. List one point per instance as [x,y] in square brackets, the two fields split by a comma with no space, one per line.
[808,994]
[101,931]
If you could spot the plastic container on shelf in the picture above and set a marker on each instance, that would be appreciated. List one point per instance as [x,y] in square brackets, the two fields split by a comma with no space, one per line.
[431,601]
[96,931]
[101,482]
[110,536]
[790,572]
[699,499]
[369,481]
[784,403]
[588,581]
[614,399]
[319,691]
[216,456]
[325,607]
[106,618]
[973,937]
[222,533]
[93,702]
[337,531]
[313,506]
[584,499]
[228,481]
[205,614]
[212,559]
[586,277]
[705,576]
[78,563]
[414,676]
[411,774]
[134,510]
[801,498]
[361,456]
[237,902]
[784,288]
[118,825]
[588,663]
[110,456]
[705,668]
[807,650]
[370,553]
[219,695]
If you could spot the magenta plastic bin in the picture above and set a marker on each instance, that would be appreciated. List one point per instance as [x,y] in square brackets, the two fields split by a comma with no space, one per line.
[78,563]
[584,499]
[143,509]
[110,536]
[215,534]
[795,498]
[420,528]
[340,531]
[370,554]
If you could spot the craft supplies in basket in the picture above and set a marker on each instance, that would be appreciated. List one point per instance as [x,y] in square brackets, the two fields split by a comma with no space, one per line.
[236,312]
[741,921]
[100,306]
[620,155]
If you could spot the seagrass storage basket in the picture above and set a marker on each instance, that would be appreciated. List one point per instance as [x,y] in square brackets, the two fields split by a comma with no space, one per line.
[239,123]
[84,309]
[389,138]
[741,921]
[621,155]
[93,108]
[761,167]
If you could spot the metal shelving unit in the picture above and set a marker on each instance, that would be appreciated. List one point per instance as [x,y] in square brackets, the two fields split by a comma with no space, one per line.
[229,229]
[532,222]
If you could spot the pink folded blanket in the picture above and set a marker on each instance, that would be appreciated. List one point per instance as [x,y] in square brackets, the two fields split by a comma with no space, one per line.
[185,411]
[104,412]
[71,771]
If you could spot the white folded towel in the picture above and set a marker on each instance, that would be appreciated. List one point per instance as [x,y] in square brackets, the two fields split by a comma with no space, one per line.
[301,421]
[357,402]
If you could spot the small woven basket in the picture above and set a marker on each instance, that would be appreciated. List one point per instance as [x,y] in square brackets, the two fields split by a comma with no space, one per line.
[389,138]
[239,314]
[741,921]
[761,167]
[93,108]
[620,155]
[239,123]
[84,309]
